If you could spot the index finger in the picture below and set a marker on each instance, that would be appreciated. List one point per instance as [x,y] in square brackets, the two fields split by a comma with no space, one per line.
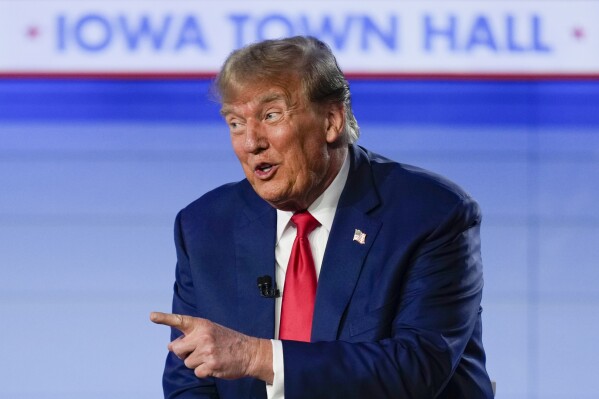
[180,322]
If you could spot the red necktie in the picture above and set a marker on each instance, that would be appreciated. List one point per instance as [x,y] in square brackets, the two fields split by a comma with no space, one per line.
[299,293]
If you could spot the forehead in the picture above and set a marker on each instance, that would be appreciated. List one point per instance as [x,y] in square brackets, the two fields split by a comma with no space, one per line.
[257,95]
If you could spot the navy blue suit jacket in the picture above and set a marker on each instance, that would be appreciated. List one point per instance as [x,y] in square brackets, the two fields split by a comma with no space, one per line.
[396,317]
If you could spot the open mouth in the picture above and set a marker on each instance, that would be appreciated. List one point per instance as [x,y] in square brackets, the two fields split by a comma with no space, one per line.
[264,170]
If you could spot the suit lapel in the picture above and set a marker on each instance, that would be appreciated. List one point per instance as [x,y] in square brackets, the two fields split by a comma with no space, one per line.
[254,246]
[345,256]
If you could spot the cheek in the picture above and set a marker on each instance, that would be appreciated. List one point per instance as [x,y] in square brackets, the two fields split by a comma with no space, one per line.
[297,164]
[237,146]
[311,158]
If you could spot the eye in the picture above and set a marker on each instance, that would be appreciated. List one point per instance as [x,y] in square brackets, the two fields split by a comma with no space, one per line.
[232,122]
[235,126]
[272,116]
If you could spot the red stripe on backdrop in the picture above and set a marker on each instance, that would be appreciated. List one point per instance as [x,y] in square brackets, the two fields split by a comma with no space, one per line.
[350,75]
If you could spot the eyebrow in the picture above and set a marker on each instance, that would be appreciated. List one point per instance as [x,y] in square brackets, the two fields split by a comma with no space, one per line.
[264,99]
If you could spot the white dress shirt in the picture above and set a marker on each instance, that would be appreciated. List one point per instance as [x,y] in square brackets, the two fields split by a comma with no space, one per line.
[323,209]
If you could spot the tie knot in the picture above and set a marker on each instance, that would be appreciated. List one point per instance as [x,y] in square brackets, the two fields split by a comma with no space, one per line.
[304,222]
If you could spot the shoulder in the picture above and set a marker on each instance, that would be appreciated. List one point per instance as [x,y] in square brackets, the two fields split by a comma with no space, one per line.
[416,189]
[405,178]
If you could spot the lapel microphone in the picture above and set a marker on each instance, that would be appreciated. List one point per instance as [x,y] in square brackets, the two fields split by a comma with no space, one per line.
[266,289]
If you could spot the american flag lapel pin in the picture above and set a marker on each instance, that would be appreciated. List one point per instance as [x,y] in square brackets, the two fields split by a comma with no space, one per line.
[360,236]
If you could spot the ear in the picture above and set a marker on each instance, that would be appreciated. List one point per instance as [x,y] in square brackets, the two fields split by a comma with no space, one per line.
[335,122]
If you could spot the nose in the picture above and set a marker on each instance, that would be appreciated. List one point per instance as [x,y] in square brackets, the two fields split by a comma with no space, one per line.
[255,139]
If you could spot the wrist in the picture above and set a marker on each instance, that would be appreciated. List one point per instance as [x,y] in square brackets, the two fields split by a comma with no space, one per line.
[260,365]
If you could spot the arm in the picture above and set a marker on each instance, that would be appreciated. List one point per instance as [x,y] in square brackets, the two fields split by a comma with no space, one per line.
[430,327]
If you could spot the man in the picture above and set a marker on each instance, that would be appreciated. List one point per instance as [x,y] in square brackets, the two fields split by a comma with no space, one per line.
[395,311]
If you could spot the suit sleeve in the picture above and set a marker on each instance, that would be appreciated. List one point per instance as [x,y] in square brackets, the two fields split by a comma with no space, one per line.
[434,319]
[178,381]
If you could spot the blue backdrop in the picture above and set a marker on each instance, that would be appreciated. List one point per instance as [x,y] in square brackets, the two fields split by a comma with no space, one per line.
[92,173]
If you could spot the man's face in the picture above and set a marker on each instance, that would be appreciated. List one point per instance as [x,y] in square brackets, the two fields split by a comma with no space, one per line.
[283,143]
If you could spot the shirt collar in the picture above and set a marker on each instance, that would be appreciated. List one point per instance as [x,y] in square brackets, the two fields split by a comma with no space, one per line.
[324,207]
